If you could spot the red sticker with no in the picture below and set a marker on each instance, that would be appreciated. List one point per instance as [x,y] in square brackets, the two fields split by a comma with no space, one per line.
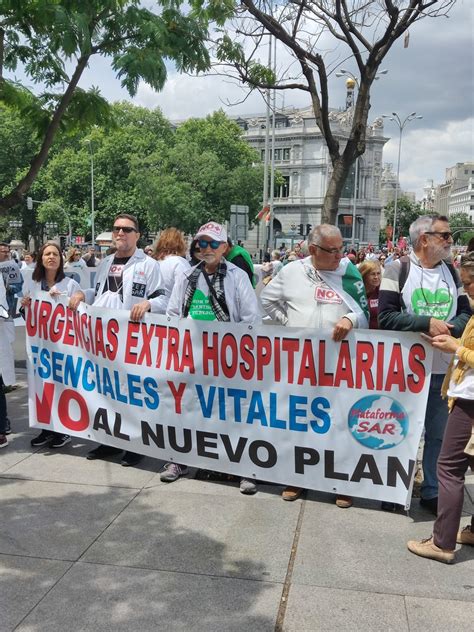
[326,295]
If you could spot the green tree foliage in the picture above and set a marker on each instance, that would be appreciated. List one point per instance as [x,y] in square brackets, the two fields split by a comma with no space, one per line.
[458,222]
[407,212]
[142,165]
[43,36]
[208,168]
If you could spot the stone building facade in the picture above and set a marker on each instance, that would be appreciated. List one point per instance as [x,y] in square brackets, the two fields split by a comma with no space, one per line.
[302,158]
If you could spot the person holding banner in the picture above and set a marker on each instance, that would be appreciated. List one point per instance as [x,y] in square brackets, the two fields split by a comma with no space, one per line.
[457,449]
[127,279]
[48,276]
[324,290]
[214,289]
[422,292]
[7,361]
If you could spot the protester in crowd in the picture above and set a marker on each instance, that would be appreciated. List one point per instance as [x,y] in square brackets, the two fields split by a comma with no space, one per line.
[48,276]
[170,251]
[297,297]
[148,250]
[371,273]
[470,245]
[29,260]
[420,293]
[276,263]
[213,290]
[90,257]
[382,259]
[130,280]
[457,450]
[194,253]
[360,257]
[74,260]
[12,278]
[237,255]
[7,363]
[298,251]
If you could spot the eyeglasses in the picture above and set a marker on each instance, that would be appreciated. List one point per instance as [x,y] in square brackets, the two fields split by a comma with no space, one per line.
[444,235]
[125,229]
[203,243]
[331,251]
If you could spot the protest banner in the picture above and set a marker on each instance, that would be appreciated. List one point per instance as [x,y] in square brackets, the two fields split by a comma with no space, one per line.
[284,405]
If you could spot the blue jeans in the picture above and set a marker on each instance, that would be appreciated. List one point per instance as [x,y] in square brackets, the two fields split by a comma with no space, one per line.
[436,418]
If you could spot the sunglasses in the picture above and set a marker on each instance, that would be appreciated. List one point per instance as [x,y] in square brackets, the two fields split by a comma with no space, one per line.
[444,235]
[203,243]
[125,229]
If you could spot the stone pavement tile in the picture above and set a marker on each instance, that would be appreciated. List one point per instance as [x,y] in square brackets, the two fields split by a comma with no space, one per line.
[439,615]
[69,465]
[189,484]
[363,549]
[199,533]
[111,598]
[23,582]
[55,520]
[18,450]
[316,609]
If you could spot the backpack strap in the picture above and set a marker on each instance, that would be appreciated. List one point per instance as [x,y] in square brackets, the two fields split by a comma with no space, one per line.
[404,270]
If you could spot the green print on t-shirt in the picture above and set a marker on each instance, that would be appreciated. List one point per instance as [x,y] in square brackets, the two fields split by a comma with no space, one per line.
[435,304]
[200,308]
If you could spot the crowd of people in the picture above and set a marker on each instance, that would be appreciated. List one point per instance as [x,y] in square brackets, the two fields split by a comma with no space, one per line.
[317,286]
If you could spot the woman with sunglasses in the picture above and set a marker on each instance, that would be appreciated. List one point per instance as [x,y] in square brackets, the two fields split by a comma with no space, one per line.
[457,449]
[48,276]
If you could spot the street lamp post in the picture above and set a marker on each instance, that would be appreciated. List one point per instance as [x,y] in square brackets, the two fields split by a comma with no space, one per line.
[350,82]
[401,126]
[89,142]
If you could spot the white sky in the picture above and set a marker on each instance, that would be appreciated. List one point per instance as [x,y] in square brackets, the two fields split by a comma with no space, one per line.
[433,76]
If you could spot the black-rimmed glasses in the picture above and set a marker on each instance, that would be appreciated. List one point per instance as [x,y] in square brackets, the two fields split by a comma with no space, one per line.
[331,251]
[443,234]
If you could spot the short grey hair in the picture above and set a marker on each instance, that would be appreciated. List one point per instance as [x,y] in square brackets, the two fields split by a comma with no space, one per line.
[321,232]
[422,225]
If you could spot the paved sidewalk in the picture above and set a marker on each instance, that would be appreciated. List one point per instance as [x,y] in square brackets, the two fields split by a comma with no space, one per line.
[91,545]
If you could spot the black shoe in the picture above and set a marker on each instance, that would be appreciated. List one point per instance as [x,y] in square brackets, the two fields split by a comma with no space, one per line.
[102,452]
[130,459]
[8,429]
[431,504]
[60,440]
[386,506]
[44,437]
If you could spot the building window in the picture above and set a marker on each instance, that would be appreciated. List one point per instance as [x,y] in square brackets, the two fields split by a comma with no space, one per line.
[280,154]
[283,190]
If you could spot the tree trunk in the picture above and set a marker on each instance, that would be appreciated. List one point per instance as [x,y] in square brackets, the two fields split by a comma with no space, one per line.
[341,168]
[17,194]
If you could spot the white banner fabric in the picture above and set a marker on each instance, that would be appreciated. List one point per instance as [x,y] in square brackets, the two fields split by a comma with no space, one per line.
[278,404]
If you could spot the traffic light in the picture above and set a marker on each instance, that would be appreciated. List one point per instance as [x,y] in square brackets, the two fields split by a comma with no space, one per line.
[308,229]
[300,227]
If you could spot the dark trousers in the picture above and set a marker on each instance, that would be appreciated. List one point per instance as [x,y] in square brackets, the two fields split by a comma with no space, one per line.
[452,467]
[3,409]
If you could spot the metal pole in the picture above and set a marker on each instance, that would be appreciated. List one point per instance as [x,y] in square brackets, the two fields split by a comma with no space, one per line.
[92,196]
[395,202]
[354,201]
[267,142]
[272,173]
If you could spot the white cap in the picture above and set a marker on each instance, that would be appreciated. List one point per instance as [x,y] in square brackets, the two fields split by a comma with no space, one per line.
[213,230]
